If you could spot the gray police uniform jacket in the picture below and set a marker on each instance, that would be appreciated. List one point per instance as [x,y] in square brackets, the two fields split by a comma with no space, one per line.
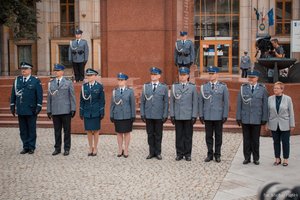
[245,62]
[184,101]
[122,106]
[214,104]
[252,108]
[78,53]
[61,99]
[184,53]
[155,105]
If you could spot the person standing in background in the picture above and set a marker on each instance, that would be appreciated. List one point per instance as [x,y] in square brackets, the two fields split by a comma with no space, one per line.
[78,55]
[184,54]
[245,64]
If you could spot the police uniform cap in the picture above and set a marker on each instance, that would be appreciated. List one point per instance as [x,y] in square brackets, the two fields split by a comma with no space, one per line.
[78,31]
[25,65]
[122,76]
[183,33]
[59,67]
[184,70]
[212,70]
[253,73]
[155,70]
[90,71]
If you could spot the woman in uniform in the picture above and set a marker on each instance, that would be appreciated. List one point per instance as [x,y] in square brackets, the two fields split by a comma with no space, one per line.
[92,102]
[122,113]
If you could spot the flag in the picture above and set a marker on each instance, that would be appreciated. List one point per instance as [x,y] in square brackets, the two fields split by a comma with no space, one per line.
[257,14]
[271,17]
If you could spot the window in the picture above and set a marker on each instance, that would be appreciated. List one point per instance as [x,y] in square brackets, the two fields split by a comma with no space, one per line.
[64,55]
[67,18]
[283,17]
[24,54]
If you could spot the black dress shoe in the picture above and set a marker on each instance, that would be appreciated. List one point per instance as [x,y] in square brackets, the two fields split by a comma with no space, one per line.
[66,153]
[256,162]
[158,157]
[178,158]
[125,156]
[188,158]
[150,156]
[55,152]
[24,151]
[90,154]
[218,159]
[245,162]
[93,154]
[119,155]
[208,159]
[31,151]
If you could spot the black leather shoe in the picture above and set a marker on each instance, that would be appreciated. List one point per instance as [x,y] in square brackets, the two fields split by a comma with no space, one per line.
[125,156]
[55,152]
[188,158]
[31,151]
[150,156]
[158,157]
[119,155]
[24,151]
[218,159]
[90,154]
[208,159]
[178,158]
[66,153]
[256,162]
[245,162]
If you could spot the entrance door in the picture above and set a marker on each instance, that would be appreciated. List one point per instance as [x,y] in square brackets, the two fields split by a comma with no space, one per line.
[216,53]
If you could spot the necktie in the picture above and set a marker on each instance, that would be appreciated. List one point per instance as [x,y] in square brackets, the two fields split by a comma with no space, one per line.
[57,82]
[212,86]
[121,90]
[154,87]
[91,85]
[252,88]
[24,79]
[183,42]
[77,41]
[183,85]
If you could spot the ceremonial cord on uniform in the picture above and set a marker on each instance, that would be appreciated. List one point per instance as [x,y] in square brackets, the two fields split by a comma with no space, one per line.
[148,98]
[201,89]
[71,46]
[244,100]
[173,90]
[83,95]
[49,90]
[20,92]
[114,97]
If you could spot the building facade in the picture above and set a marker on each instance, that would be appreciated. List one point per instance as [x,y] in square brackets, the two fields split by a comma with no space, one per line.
[124,34]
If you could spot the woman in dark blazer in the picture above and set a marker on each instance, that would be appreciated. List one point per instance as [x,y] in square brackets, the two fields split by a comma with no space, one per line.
[281,122]
[122,113]
[92,102]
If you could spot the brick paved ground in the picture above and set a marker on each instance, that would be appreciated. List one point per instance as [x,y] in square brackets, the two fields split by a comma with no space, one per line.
[43,176]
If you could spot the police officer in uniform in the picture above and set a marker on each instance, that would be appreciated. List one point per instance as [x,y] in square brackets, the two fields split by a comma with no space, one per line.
[78,55]
[122,113]
[184,53]
[27,96]
[252,112]
[154,111]
[213,111]
[183,113]
[92,102]
[61,107]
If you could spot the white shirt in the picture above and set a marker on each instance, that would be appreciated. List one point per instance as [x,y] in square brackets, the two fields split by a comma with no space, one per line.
[26,78]
[155,85]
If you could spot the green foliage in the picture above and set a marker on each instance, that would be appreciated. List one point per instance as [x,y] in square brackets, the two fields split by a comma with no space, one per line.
[21,17]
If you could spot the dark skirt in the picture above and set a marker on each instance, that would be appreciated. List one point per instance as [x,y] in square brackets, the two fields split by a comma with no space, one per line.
[92,124]
[123,126]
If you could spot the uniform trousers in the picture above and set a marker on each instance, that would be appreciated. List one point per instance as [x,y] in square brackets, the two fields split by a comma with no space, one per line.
[184,137]
[251,134]
[27,126]
[59,122]
[211,127]
[244,73]
[79,71]
[154,129]
[284,137]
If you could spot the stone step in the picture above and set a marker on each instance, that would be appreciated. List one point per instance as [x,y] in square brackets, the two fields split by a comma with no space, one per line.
[10,117]
[40,124]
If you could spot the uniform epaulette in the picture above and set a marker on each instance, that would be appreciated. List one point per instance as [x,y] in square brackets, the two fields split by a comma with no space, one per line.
[191,83]
[244,84]
[51,79]
[222,83]
[176,83]
[261,84]
[147,83]
[163,83]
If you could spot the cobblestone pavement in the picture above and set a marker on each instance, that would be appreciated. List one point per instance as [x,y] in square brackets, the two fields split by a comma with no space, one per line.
[77,176]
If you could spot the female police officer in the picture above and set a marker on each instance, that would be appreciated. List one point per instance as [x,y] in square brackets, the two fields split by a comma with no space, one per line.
[92,104]
[122,112]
